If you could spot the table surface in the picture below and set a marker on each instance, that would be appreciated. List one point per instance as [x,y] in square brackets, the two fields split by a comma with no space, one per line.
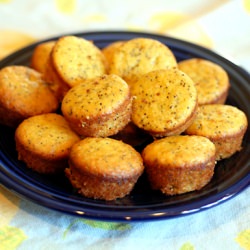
[222,26]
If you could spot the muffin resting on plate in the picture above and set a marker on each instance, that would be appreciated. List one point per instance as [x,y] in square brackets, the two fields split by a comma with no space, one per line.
[211,80]
[58,86]
[40,56]
[76,59]
[179,164]
[165,102]
[98,108]
[139,56]
[23,94]
[110,50]
[44,141]
[224,125]
[104,168]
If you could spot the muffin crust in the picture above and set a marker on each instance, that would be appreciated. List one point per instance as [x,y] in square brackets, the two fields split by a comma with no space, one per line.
[76,59]
[139,56]
[179,164]
[43,142]
[23,94]
[104,168]
[224,125]
[165,102]
[100,107]
[211,80]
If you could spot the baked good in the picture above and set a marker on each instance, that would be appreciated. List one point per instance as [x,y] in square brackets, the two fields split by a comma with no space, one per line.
[179,164]
[44,141]
[23,94]
[110,50]
[58,86]
[99,108]
[104,168]
[40,56]
[165,102]
[76,59]
[211,80]
[224,125]
[139,56]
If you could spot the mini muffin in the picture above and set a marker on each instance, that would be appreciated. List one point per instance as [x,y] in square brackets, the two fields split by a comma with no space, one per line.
[139,56]
[110,50]
[44,141]
[55,82]
[165,102]
[104,168]
[40,56]
[211,80]
[76,59]
[224,125]
[23,94]
[179,164]
[98,108]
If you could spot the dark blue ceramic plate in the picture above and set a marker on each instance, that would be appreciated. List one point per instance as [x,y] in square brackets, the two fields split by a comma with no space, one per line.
[231,175]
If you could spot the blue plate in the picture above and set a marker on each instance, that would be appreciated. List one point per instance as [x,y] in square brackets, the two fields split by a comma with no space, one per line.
[231,175]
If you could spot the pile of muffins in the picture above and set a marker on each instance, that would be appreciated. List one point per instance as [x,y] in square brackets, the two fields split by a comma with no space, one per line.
[82,110]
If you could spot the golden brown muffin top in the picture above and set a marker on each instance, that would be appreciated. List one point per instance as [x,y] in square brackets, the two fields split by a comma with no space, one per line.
[139,56]
[179,151]
[46,134]
[77,59]
[105,157]
[218,120]
[163,100]
[211,80]
[22,89]
[102,95]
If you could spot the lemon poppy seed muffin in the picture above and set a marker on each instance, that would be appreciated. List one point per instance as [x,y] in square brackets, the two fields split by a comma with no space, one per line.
[40,55]
[76,59]
[165,102]
[23,94]
[44,141]
[110,50]
[58,86]
[179,164]
[104,168]
[139,56]
[98,108]
[211,80]
[224,125]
